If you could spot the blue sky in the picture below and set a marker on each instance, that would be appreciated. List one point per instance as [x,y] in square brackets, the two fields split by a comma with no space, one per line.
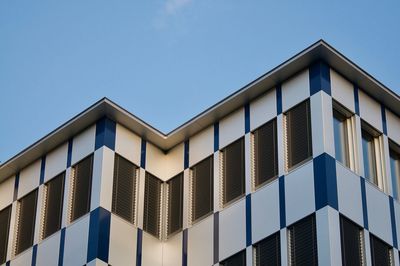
[167,60]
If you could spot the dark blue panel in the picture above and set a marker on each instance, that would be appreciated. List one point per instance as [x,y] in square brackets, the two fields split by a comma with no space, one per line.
[143,154]
[186,155]
[99,235]
[248,220]
[278,99]
[184,247]
[34,255]
[282,207]
[364,202]
[393,220]
[8,263]
[61,250]
[16,185]
[139,245]
[216,136]
[384,125]
[105,133]
[356,101]
[320,78]
[216,237]
[325,183]
[247,118]
[42,167]
[69,156]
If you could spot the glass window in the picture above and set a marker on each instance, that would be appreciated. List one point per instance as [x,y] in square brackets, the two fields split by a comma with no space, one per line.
[395,168]
[341,138]
[369,157]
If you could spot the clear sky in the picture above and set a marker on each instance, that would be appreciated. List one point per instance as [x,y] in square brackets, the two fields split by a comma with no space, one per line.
[167,60]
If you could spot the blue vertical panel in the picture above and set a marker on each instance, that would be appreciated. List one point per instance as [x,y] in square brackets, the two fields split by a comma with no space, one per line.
[356,101]
[184,247]
[364,202]
[282,207]
[216,136]
[320,78]
[99,235]
[16,185]
[42,167]
[384,124]
[61,250]
[34,255]
[69,155]
[393,221]
[248,220]
[247,118]
[186,155]
[105,133]
[216,237]
[325,183]
[8,263]
[139,245]
[143,154]
[278,99]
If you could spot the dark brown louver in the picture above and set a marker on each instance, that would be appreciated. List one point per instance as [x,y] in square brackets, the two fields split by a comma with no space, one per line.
[82,186]
[26,222]
[234,179]
[54,205]
[303,243]
[124,189]
[175,204]
[5,216]
[239,259]
[265,153]
[298,134]
[202,184]
[152,205]
[352,243]
[268,251]
[380,252]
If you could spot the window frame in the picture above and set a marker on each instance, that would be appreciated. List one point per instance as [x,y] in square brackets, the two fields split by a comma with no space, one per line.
[394,151]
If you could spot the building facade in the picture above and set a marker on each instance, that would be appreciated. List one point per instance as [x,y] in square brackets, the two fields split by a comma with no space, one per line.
[300,167]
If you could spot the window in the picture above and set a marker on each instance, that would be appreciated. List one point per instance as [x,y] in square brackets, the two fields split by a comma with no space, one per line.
[268,251]
[5,216]
[381,253]
[233,179]
[239,259]
[265,153]
[302,238]
[152,205]
[352,239]
[175,204]
[53,198]
[372,155]
[394,152]
[297,137]
[124,189]
[26,213]
[202,184]
[81,188]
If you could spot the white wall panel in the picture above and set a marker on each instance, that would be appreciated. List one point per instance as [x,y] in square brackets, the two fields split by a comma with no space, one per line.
[201,145]
[152,251]
[295,90]
[200,243]
[155,161]
[48,250]
[393,126]
[396,206]
[29,178]
[56,162]
[370,110]
[76,242]
[174,161]
[23,259]
[7,192]
[123,237]
[263,109]
[128,144]
[83,144]
[172,251]
[231,128]
[342,91]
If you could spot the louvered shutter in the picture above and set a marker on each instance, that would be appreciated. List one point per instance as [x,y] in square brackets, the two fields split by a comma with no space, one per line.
[380,252]
[303,243]
[152,205]
[5,216]
[352,243]
[82,186]
[26,222]
[233,177]
[298,134]
[238,259]
[124,189]
[175,204]
[54,192]
[265,153]
[268,251]
[202,188]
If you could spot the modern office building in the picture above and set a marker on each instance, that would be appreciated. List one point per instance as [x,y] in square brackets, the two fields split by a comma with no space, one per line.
[299,167]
